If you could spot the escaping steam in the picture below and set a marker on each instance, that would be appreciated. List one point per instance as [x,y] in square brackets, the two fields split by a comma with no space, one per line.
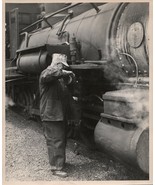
[8,102]
[132,104]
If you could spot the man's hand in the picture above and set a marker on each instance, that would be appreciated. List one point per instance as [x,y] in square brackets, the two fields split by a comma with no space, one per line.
[68,77]
[67,73]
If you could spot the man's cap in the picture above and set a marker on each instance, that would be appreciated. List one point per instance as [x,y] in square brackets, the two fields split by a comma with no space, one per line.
[59,58]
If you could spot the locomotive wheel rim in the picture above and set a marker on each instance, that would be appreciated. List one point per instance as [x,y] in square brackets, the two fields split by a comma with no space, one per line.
[21,100]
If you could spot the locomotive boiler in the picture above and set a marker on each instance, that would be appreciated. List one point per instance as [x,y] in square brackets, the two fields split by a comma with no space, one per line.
[107,46]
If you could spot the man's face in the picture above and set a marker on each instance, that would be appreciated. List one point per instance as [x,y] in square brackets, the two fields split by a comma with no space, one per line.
[60,66]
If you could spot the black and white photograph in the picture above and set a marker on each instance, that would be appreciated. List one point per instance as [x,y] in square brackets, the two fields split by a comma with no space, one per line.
[77,90]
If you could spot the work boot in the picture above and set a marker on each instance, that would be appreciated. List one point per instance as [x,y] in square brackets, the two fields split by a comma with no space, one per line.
[53,168]
[60,173]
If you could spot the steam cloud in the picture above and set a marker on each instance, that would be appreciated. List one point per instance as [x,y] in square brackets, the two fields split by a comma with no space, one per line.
[8,102]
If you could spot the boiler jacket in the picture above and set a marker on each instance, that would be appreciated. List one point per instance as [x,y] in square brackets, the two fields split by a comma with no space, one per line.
[54,95]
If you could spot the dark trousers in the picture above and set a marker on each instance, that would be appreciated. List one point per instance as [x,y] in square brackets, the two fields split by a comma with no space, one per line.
[55,135]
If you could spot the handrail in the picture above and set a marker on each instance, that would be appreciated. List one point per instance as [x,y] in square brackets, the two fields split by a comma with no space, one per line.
[50,15]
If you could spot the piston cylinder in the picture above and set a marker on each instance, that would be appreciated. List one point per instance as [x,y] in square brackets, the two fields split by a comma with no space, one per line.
[33,63]
[124,141]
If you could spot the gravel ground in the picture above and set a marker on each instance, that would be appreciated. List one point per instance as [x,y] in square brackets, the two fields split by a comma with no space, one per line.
[27,160]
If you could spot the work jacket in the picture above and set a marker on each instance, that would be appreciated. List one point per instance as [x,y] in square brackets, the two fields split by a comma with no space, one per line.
[54,95]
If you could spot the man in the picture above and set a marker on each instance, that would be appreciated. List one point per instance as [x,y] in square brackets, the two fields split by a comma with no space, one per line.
[54,108]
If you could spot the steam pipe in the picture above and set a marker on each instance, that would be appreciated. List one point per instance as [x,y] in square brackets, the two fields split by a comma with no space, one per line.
[60,30]
[136,66]
[52,14]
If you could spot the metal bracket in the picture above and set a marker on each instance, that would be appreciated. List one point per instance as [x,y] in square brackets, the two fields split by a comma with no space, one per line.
[45,19]
[95,7]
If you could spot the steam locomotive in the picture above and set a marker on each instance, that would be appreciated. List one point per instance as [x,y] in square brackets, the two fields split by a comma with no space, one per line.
[107,46]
